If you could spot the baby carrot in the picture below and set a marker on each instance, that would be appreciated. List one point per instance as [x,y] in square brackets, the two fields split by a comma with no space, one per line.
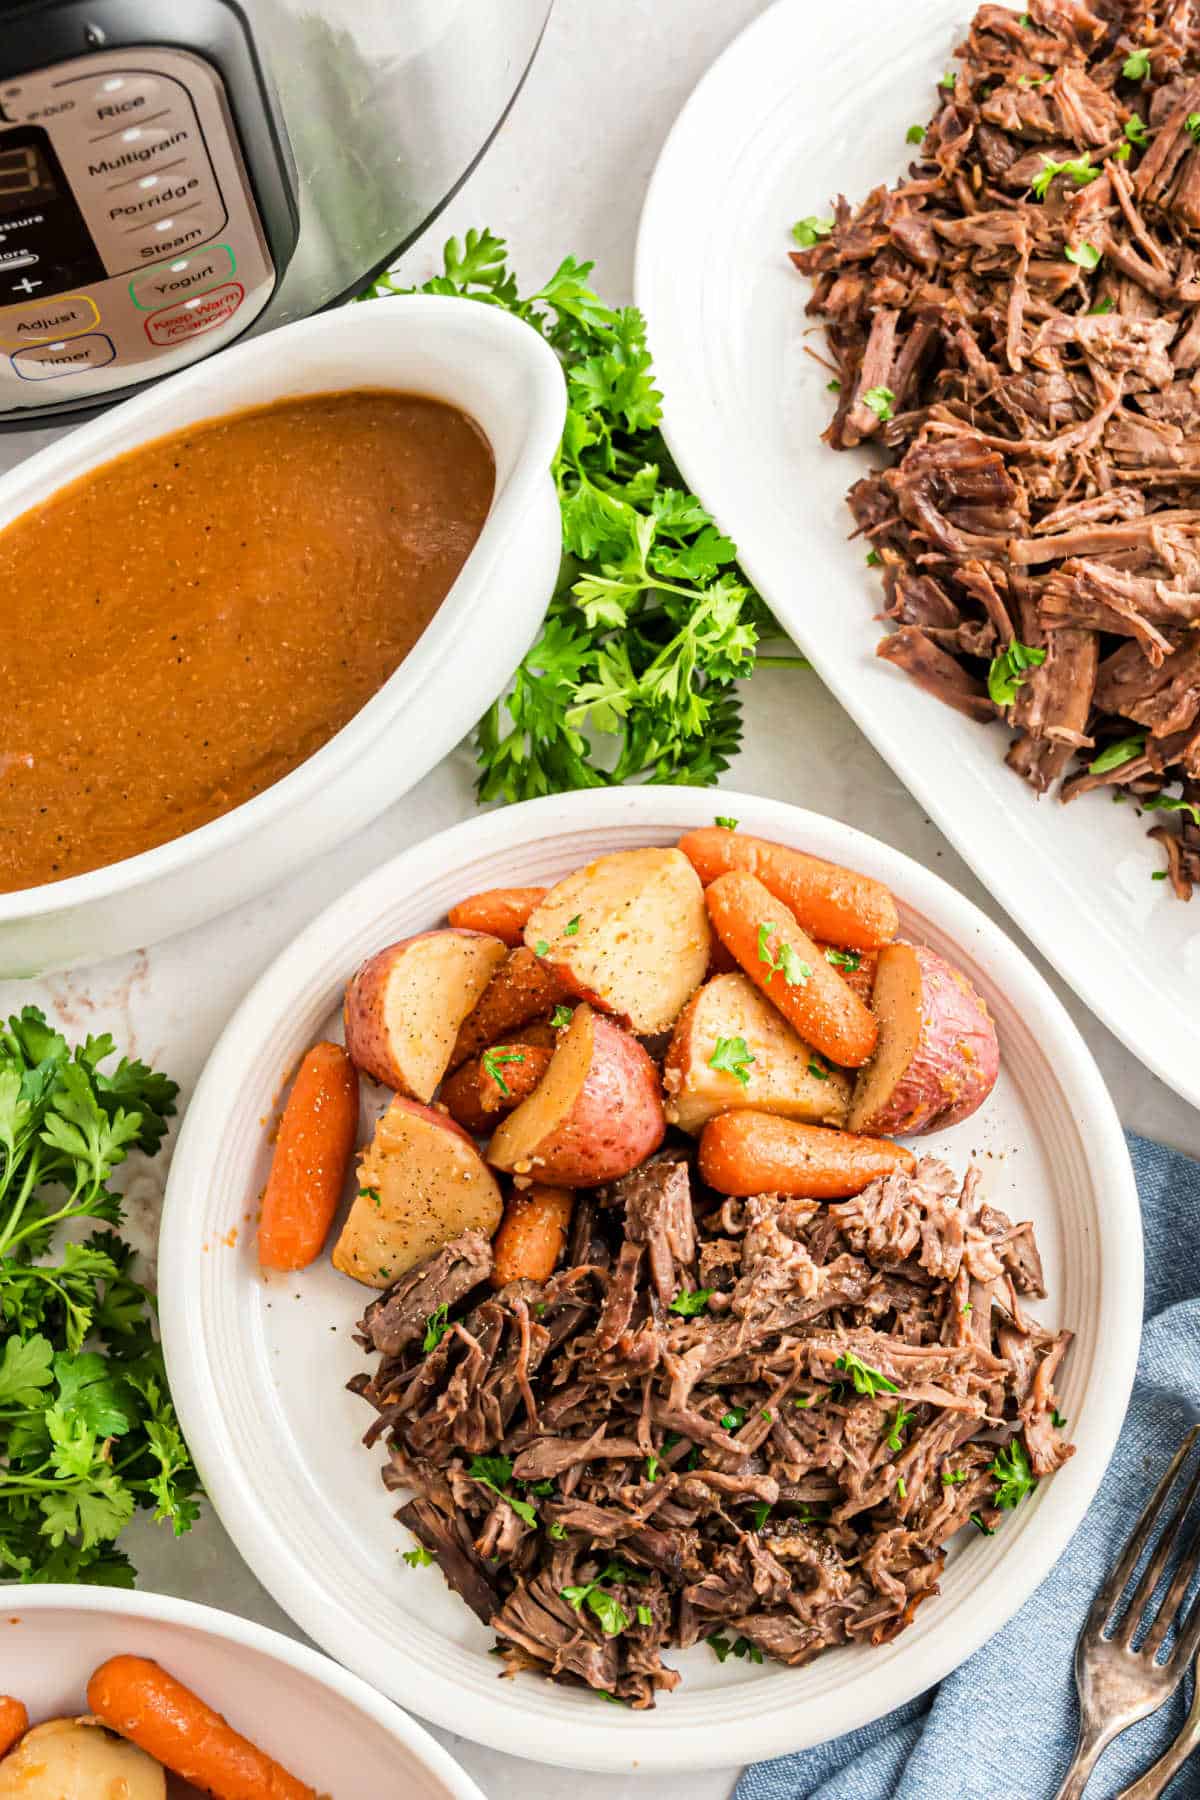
[501,912]
[312,1156]
[484,1089]
[832,903]
[531,1235]
[140,1701]
[746,1152]
[790,969]
[14,1722]
[856,968]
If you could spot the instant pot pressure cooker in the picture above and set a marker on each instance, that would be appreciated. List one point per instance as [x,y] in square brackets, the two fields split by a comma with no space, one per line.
[175,174]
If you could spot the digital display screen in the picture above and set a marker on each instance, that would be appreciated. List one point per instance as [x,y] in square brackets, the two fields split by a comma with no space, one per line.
[24,177]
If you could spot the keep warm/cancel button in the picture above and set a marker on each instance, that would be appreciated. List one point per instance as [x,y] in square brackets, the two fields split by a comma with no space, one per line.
[189,317]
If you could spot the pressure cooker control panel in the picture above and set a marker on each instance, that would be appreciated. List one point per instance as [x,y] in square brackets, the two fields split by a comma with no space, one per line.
[130,243]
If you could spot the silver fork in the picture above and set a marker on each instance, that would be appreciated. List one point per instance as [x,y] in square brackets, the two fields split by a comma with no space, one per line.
[1117,1684]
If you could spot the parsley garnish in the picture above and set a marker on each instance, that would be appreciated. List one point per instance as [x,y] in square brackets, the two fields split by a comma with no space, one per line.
[1159,875]
[1025,21]
[818,1069]
[1135,129]
[541,948]
[807,231]
[734,1419]
[572,926]
[866,1379]
[645,1616]
[1113,755]
[1136,66]
[901,1419]
[1057,1420]
[1105,305]
[653,1465]
[1085,256]
[419,1558]
[947,80]
[495,1472]
[1079,168]
[1192,123]
[1009,671]
[831,387]
[1013,1475]
[880,400]
[725,823]
[653,624]
[1032,81]
[732,1056]
[87,1437]
[843,959]
[915,134]
[759,1512]
[980,1526]
[491,1061]
[557,1530]
[721,1648]
[369,1194]
[954,1477]
[607,1608]
[436,1326]
[562,1015]
[1165,803]
[902,1487]
[689,1303]
[785,961]
[873,559]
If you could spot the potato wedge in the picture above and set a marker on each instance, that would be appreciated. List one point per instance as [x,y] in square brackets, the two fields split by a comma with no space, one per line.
[596,1114]
[421,1182]
[77,1757]
[478,1095]
[760,1061]
[937,1058]
[405,1005]
[628,933]
[522,988]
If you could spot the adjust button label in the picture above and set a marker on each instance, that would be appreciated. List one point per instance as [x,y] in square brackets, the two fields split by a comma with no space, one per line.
[187,318]
[182,276]
[42,362]
[46,320]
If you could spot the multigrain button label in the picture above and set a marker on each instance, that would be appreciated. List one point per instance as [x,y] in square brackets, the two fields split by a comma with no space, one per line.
[189,317]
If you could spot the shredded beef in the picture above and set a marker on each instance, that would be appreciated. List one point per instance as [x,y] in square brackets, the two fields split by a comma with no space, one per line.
[603,1476]
[1024,340]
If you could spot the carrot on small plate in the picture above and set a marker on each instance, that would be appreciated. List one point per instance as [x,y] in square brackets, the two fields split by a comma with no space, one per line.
[782,960]
[313,1148]
[140,1701]
[531,1235]
[502,912]
[744,1153]
[830,902]
[14,1722]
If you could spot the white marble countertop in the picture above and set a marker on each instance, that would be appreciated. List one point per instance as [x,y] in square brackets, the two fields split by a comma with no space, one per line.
[567,174]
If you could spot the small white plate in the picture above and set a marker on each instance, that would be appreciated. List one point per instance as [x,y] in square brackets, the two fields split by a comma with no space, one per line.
[327,1727]
[808,103]
[258,1367]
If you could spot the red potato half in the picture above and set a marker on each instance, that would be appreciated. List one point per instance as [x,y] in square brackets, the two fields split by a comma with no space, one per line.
[937,1058]
[405,1005]
[629,933]
[421,1182]
[596,1114]
[785,1075]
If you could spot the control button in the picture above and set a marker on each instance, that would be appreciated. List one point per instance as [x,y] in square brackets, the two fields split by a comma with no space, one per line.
[181,229]
[187,318]
[182,276]
[118,100]
[42,362]
[45,320]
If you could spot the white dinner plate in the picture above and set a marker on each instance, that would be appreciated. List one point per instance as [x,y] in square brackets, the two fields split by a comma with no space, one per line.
[259,1366]
[810,102]
[327,1727]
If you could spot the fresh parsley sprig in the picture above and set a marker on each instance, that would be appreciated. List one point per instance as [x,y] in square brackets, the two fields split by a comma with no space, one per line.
[652,622]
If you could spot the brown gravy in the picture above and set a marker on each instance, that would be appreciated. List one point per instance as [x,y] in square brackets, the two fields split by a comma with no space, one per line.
[182,626]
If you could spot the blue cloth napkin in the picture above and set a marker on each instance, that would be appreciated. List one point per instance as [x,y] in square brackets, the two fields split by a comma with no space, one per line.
[1002,1727]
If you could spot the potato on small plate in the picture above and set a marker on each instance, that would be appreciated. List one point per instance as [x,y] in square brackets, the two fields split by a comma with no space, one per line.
[405,1005]
[731,1048]
[628,932]
[421,1182]
[596,1113]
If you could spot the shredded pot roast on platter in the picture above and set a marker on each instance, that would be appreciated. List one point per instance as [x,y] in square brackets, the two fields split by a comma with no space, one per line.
[1018,322]
[756,1422]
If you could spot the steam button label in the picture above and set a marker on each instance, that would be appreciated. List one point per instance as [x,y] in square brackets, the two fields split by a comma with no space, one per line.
[187,318]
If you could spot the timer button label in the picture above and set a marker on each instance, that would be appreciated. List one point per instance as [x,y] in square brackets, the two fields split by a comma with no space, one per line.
[44,321]
[188,318]
[42,362]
